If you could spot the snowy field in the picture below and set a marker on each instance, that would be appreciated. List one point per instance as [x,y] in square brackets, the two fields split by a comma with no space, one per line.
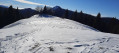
[55,35]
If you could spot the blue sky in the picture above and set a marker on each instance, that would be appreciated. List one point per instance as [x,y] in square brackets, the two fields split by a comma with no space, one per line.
[108,8]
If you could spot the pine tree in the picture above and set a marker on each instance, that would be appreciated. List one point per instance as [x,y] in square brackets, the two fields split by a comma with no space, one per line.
[98,22]
[18,14]
[10,16]
[112,24]
[74,16]
[45,10]
[10,9]
[75,13]
[98,17]
[81,14]
[66,13]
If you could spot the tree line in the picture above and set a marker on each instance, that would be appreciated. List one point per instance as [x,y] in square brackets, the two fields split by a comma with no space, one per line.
[8,16]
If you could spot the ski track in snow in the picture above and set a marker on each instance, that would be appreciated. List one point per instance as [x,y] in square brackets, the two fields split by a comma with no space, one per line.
[55,35]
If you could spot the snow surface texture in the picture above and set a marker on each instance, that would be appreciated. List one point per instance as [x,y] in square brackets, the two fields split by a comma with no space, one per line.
[55,35]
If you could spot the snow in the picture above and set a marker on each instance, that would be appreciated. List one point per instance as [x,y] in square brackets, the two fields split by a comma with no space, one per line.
[55,35]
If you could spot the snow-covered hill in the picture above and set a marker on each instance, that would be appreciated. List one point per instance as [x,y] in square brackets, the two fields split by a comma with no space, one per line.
[55,35]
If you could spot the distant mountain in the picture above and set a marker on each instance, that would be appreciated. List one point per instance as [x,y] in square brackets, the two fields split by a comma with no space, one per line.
[28,12]
[56,8]
[58,11]
[3,6]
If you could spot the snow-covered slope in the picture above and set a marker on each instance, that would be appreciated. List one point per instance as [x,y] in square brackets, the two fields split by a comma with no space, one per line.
[55,35]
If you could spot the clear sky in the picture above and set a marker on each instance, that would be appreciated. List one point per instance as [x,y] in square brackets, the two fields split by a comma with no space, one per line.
[108,8]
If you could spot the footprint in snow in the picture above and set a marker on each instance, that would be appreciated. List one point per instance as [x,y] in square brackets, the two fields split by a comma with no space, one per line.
[81,45]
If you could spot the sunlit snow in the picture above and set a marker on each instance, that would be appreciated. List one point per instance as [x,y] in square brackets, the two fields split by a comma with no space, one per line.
[55,35]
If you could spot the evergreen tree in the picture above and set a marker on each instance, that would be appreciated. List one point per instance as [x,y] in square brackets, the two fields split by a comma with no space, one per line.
[80,16]
[112,24]
[75,13]
[81,12]
[10,9]
[50,12]
[18,14]
[10,16]
[98,17]
[98,22]
[45,10]
[74,16]
[66,13]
